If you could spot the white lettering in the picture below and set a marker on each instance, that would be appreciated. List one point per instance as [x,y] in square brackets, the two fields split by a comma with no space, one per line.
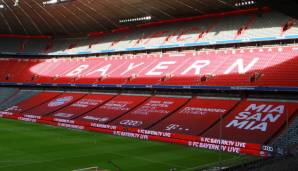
[131,67]
[103,70]
[77,71]
[239,64]
[160,66]
[236,123]
[197,66]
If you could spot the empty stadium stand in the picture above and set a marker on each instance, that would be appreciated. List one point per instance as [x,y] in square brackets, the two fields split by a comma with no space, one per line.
[6,93]
[113,109]
[197,116]
[263,67]
[55,104]
[256,121]
[153,110]
[17,98]
[226,28]
[82,106]
[33,101]
[126,61]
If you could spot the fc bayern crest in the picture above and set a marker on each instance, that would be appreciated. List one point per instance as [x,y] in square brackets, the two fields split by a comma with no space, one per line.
[60,101]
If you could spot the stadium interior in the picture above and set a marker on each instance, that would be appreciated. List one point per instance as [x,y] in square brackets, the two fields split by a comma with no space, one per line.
[214,75]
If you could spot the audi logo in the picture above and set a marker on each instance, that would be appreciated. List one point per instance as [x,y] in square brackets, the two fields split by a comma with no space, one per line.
[131,123]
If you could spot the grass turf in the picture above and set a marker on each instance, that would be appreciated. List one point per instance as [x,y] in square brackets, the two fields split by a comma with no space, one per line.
[34,147]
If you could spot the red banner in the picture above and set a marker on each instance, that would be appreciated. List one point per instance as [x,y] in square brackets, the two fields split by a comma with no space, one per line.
[201,142]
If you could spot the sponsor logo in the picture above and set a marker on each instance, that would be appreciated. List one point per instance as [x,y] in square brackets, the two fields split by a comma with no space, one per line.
[32,116]
[130,134]
[64,115]
[86,103]
[63,120]
[27,119]
[223,142]
[267,148]
[117,105]
[60,101]
[99,119]
[201,111]
[156,133]
[154,106]
[131,123]
[214,147]
[175,127]
[13,108]
[5,113]
[103,126]
[71,126]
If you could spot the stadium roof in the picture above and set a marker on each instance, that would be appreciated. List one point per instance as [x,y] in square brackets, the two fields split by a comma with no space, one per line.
[33,17]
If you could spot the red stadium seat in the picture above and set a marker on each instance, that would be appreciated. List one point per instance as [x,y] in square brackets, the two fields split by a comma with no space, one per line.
[82,106]
[196,116]
[268,66]
[34,101]
[53,105]
[253,121]
[150,112]
[113,109]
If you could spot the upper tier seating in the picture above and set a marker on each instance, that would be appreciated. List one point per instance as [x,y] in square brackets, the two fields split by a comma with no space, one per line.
[206,31]
[264,66]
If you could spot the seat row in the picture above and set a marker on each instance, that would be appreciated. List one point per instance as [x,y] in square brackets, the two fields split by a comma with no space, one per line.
[245,120]
[218,29]
[264,66]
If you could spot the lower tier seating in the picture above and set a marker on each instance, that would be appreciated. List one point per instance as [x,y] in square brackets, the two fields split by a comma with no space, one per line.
[6,93]
[254,120]
[59,102]
[197,116]
[115,108]
[245,120]
[84,105]
[150,112]
[17,97]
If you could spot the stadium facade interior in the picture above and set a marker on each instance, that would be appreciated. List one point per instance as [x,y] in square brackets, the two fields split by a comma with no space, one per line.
[210,74]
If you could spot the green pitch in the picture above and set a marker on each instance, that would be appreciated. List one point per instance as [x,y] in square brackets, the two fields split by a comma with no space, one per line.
[33,147]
